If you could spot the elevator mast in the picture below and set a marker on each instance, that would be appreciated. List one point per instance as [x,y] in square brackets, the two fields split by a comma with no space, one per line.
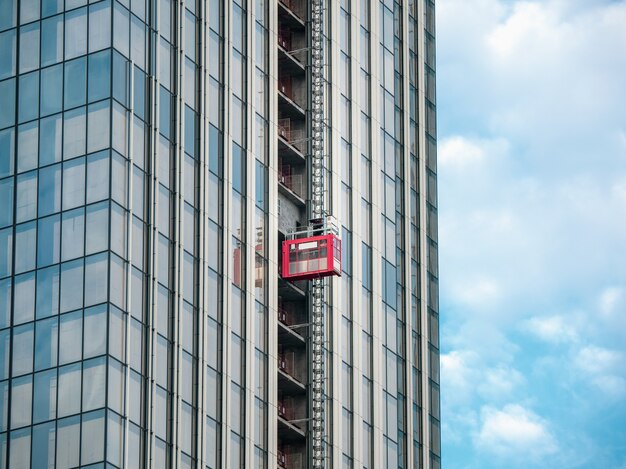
[317,212]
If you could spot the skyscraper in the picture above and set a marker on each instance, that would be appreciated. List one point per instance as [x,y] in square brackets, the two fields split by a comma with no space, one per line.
[154,157]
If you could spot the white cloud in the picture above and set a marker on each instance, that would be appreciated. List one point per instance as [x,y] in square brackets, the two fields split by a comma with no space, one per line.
[514,431]
[552,329]
[599,360]
[610,300]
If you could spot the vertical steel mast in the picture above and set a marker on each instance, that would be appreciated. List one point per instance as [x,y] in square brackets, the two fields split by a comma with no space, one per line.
[318,212]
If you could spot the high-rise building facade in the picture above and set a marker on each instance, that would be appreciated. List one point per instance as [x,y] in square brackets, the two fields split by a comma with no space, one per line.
[154,156]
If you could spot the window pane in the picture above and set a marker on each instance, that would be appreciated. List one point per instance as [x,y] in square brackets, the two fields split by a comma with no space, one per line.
[29,47]
[71,285]
[6,249]
[76,33]
[48,292]
[49,246]
[20,449]
[6,207]
[51,90]
[9,13]
[24,298]
[46,344]
[92,447]
[51,40]
[7,152]
[99,76]
[49,190]
[5,303]
[50,140]
[73,234]
[75,82]
[74,183]
[74,133]
[97,227]
[94,380]
[95,331]
[99,26]
[115,393]
[25,237]
[97,176]
[23,349]
[70,337]
[96,279]
[27,139]
[7,54]
[45,395]
[68,440]
[29,11]
[29,97]
[44,437]
[69,390]
[26,196]
[7,103]
[98,119]
[21,399]
[51,7]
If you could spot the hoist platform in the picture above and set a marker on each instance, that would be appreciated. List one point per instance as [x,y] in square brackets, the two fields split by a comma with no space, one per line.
[314,252]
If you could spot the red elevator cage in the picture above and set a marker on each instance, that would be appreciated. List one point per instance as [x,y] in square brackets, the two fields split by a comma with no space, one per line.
[311,257]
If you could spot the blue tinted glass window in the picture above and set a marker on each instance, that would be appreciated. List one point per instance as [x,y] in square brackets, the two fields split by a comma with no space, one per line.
[6,207]
[121,29]
[190,131]
[46,345]
[69,376]
[48,292]
[73,234]
[8,18]
[27,146]
[99,76]
[29,47]
[5,303]
[120,77]
[49,241]
[71,285]
[44,396]
[139,92]
[51,7]
[97,228]
[29,10]
[29,97]
[94,382]
[95,326]
[24,305]
[25,245]
[26,196]
[97,176]
[75,33]
[68,432]
[23,350]
[52,40]
[7,147]
[74,133]
[51,90]
[49,190]
[5,340]
[70,349]
[50,139]
[7,54]
[44,436]
[75,82]
[7,103]
[74,183]
[99,26]
[6,250]
[164,115]
[96,285]
[21,399]
[99,129]
[92,441]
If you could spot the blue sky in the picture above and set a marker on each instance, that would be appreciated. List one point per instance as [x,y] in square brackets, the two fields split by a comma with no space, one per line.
[532,200]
